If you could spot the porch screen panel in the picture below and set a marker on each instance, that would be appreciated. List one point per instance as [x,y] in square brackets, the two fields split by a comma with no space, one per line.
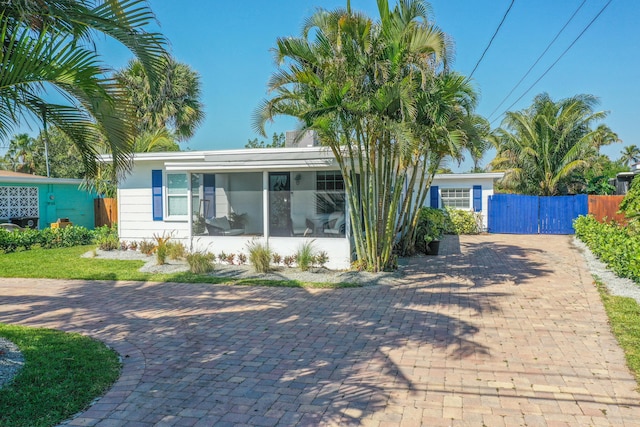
[209,184]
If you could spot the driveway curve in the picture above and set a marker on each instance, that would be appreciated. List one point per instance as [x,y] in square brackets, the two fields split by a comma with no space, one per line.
[499,330]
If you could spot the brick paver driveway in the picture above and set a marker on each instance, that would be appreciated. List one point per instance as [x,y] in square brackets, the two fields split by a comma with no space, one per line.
[501,330]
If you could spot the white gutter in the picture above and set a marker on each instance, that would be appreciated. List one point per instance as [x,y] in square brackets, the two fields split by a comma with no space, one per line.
[39,180]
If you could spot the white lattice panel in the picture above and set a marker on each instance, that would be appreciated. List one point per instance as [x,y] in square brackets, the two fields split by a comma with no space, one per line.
[18,202]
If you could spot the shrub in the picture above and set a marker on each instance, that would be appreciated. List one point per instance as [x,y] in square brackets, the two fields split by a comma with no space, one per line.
[630,205]
[618,247]
[11,241]
[106,238]
[242,259]
[161,247]
[222,257]
[176,250]
[133,246]
[147,247]
[73,235]
[321,259]
[259,256]
[277,258]
[230,258]
[288,260]
[358,265]
[200,262]
[431,225]
[305,256]
[463,222]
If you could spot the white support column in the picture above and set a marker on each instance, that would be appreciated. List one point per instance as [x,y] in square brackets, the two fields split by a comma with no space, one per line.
[265,204]
[190,211]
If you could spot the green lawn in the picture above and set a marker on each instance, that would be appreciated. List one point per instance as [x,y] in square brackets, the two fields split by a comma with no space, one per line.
[67,263]
[61,376]
[624,317]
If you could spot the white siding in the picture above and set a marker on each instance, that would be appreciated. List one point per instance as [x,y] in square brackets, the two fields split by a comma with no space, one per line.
[135,214]
[466,181]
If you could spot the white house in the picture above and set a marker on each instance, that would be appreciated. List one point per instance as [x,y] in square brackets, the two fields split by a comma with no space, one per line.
[220,201]
[467,191]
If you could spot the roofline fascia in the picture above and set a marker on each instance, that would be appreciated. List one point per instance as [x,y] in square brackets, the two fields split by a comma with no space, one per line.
[42,180]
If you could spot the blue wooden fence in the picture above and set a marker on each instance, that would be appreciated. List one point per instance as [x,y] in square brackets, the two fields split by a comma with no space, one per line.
[519,214]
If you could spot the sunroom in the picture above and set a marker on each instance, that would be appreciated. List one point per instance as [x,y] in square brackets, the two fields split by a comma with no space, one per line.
[222,200]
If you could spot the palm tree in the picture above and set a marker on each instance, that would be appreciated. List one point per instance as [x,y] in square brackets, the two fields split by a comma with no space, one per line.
[48,44]
[155,141]
[444,124]
[603,135]
[540,148]
[478,131]
[371,92]
[630,155]
[176,107]
[21,152]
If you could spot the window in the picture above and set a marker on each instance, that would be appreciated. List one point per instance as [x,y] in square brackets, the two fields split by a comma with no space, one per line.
[456,198]
[177,190]
[330,196]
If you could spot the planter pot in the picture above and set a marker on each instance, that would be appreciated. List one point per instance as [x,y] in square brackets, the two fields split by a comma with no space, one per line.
[433,247]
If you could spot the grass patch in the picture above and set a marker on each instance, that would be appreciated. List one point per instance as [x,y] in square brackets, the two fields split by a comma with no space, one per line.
[62,374]
[67,263]
[624,318]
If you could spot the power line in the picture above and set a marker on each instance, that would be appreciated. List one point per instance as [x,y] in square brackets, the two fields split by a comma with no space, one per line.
[539,58]
[556,61]
[492,37]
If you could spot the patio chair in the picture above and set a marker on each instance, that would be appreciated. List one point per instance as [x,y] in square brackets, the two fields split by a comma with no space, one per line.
[301,226]
[335,224]
[221,227]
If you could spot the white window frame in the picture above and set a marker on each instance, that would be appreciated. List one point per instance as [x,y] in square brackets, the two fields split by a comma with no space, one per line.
[450,196]
[335,180]
[168,196]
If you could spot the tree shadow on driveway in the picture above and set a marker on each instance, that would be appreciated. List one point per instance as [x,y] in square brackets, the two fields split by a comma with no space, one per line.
[263,356]
[480,261]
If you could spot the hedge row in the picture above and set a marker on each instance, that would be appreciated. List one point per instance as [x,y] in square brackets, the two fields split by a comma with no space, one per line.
[12,241]
[618,247]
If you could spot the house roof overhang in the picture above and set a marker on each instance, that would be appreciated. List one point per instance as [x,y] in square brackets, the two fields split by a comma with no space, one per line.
[242,160]
[10,177]
[468,176]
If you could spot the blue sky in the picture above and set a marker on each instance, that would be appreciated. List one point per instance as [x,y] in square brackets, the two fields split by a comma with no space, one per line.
[229,42]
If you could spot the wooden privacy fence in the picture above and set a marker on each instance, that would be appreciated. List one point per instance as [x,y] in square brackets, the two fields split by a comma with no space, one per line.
[105,212]
[605,208]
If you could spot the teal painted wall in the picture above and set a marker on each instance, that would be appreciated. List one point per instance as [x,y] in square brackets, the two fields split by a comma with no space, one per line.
[62,201]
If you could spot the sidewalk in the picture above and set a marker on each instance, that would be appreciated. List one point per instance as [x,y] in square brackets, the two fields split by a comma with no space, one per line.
[500,330]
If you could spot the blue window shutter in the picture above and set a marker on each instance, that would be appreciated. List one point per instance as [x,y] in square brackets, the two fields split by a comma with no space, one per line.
[156,184]
[477,198]
[435,196]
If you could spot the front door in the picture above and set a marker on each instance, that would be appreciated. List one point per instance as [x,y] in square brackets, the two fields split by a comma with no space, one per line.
[279,204]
